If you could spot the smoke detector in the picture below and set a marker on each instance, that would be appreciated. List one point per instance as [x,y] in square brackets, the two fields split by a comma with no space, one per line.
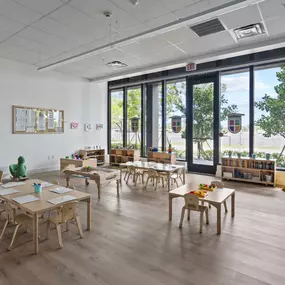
[117,63]
[135,2]
[107,14]
[249,31]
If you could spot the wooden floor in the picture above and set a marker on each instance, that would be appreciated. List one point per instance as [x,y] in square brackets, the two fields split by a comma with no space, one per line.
[133,243]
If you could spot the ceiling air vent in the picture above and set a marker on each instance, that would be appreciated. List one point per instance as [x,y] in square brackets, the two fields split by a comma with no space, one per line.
[249,31]
[117,63]
[207,28]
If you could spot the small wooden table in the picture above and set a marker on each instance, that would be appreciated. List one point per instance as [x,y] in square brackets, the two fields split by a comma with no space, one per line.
[215,198]
[41,206]
[159,167]
[100,176]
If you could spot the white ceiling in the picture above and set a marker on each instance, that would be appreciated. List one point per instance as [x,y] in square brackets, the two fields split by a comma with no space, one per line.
[154,33]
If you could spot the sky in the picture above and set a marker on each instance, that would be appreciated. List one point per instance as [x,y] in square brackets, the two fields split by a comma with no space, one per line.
[238,90]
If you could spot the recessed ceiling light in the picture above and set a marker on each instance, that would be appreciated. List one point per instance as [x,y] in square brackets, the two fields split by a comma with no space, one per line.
[117,63]
[249,31]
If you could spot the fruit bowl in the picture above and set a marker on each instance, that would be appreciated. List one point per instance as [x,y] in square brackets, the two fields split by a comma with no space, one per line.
[199,193]
[208,187]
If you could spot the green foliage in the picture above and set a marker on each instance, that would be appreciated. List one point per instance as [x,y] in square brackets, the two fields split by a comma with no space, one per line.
[273,122]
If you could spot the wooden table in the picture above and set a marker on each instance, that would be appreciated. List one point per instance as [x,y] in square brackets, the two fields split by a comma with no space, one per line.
[159,167]
[100,176]
[215,198]
[41,206]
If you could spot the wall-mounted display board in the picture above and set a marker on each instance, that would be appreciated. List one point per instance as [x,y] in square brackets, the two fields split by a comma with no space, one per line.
[30,120]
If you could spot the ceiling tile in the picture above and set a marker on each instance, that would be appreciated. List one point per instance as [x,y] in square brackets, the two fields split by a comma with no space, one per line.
[275,26]
[172,53]
[179,35]
[9,25]
[42,50]
[61,31]
[272,8]
[80,22]
[242,17]
[42,37]
[178,4]
[18,12]
[161,20]
[16,53]
[209,43]
[41,6]
[120,19]
[146,9]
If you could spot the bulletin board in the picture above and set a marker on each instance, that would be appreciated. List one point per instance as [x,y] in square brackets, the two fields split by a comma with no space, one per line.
[30,120]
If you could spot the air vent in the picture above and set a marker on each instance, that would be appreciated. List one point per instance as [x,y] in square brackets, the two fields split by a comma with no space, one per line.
[117,63]
[249,31]
[207,28]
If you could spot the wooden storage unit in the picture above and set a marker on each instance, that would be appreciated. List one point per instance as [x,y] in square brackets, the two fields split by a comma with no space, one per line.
[246,169]
[99,154]
[118,156]
[162,157]
[64,162]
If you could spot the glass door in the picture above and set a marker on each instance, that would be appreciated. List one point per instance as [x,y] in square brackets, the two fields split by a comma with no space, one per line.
[203,126]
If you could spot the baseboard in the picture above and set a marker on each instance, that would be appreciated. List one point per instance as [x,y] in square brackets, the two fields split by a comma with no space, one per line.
[34,171]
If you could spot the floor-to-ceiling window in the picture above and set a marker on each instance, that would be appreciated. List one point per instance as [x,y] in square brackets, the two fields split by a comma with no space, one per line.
[176,117]
[269,113]
[134,111]
[117,115]
[234,113]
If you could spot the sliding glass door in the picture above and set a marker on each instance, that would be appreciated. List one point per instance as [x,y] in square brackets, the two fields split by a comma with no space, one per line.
[203,125]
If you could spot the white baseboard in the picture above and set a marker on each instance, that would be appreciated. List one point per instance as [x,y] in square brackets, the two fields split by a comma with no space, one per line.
[6,173]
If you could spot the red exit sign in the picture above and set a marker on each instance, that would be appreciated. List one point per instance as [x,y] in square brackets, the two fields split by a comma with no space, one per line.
[191,66]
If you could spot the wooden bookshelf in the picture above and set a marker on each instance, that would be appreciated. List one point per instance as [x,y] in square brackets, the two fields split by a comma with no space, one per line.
[99,154]
[118,156]
[246,169]
[161,157]
[65,162]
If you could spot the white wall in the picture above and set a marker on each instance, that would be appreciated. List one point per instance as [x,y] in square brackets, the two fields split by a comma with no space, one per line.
[82,101]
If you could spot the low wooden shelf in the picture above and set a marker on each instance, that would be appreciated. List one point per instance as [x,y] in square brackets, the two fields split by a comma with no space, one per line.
[249,170]
[118,156]
[65,162]
[161,157]
[99,154]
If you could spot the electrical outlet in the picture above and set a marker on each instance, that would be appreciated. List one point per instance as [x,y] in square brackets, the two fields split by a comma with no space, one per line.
[52,157]
[48,157]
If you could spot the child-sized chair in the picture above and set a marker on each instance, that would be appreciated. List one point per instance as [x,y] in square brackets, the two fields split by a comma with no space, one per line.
[192,204]
[16,220]
[175,176]
[135,173]
[220,184]
[65,214]
[155,177]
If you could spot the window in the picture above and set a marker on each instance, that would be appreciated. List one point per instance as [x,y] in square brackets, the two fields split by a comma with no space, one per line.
[176,117]
[117,115]
[269,116]
[234,113]
[157,115]
[134,118]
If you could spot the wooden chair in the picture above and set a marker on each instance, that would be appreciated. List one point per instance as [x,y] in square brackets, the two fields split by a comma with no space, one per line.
[155,177]
[192,204]
[16,220]
[135,173]
[175,176]
[220,184]
[64,215]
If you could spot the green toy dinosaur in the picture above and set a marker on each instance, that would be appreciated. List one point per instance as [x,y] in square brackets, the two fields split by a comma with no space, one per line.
[19,171]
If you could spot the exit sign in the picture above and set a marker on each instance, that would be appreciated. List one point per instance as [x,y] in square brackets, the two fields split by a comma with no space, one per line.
[191,66]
